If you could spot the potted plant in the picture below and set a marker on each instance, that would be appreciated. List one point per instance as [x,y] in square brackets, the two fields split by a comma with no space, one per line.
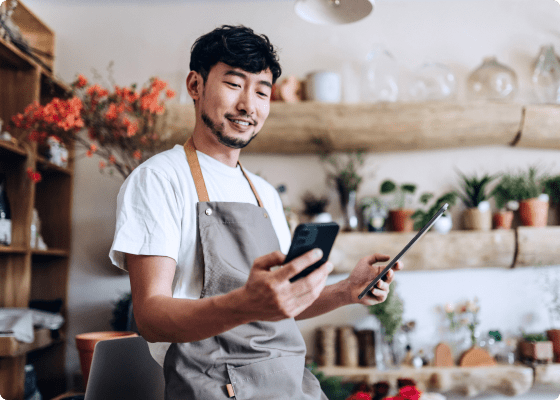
[421,217]
[374,212]
[528,188]
[474,195]
[536,347]
[399,215]
[505,196]
[315,208]
[347,180]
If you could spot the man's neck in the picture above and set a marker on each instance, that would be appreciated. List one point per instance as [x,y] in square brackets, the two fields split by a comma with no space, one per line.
[211,146]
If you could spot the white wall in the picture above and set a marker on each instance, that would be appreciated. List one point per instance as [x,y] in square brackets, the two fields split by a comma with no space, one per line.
[147,40]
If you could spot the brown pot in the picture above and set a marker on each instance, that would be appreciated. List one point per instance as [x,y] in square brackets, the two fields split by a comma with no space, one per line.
[533,212]
[554,337]
[400,220]
[477,220]
[85,342]
[536,350]
[503,219]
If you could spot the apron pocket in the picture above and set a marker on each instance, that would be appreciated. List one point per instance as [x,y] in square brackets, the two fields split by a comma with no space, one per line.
[277,378]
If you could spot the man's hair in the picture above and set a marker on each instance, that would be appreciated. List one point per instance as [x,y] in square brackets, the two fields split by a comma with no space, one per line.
[236,46]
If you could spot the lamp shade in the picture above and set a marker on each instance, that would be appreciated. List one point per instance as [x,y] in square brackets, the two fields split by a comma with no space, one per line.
[333,12]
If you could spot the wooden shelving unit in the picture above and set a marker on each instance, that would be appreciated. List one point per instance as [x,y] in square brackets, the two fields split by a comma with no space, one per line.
[510,380]
[28,274]
[520,247]
[294,128]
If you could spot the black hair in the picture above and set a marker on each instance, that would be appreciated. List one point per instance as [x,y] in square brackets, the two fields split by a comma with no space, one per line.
[236,46]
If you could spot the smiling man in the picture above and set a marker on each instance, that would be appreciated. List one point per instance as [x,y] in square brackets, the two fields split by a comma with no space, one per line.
[200,236]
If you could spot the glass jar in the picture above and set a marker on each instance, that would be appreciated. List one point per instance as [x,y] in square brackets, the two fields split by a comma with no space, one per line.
[492,81]
[380,76]
[546,76]
[433,81]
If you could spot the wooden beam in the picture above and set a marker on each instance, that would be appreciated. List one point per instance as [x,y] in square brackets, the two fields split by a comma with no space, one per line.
[541,127]
[294,127]
[454,250]
[538,246]
[511,380]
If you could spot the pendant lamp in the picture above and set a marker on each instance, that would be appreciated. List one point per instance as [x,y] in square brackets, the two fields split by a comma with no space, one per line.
[333,12]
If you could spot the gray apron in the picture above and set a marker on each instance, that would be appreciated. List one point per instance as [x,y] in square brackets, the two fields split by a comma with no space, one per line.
[259,360]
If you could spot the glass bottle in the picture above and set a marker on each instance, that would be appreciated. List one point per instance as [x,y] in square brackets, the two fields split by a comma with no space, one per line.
[492,81]
[5,214]
[433,81]
[380,76]
[546,76]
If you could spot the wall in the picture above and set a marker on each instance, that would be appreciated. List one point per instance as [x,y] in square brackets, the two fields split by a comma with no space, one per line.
[145,40]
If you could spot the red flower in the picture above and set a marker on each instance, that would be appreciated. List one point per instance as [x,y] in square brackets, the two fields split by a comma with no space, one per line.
[102,165]
[410,393]
[170,93]
[34,175]
[360,396]
[81,81]
[137,155]
[112,159]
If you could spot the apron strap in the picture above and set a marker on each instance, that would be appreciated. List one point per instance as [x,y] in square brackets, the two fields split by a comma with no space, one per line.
[196,172]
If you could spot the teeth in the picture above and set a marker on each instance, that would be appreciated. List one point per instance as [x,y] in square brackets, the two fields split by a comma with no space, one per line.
[241,122]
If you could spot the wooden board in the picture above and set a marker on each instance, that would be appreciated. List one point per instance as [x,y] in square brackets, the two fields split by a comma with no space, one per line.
[538,246]
[547,373]
[511,380]
[454,250]
[293,127]
[11,347]
[540,127]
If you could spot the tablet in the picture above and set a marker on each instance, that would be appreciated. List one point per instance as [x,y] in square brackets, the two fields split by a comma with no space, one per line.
[403,251]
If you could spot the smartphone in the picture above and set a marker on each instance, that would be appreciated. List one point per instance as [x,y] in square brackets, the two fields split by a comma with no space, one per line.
[310,236]
[420,233]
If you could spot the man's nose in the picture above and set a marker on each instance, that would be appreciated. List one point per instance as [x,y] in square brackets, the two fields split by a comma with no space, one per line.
[247,103]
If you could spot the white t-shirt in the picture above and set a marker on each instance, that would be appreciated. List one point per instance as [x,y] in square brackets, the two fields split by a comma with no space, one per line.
[156,215]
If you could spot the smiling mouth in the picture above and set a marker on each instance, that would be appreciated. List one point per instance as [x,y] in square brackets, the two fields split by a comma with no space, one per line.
[242,123]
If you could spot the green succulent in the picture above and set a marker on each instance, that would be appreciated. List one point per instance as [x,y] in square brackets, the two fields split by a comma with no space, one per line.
[474,189]
[400,191]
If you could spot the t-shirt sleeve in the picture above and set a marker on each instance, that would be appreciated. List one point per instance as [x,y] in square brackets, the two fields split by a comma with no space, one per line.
[148,217]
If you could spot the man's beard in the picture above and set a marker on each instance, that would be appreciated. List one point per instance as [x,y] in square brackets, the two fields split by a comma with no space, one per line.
[218,131]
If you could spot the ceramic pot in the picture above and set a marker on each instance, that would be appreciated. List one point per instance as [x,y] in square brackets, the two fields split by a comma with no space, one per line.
[443,224]
[503,219]
[400,220]
[85,342]
[475,219]
[533,212]
[554,337]
[536,350]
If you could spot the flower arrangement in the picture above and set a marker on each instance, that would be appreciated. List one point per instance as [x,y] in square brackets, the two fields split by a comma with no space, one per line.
[463,315]
[120,125]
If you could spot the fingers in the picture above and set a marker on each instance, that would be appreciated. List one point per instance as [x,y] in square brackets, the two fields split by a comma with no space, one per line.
[374,258]
[269,260]
[298,264]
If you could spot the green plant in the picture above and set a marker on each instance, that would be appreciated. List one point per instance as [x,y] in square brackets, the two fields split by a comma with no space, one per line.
[519,186]
[400,191]
[121,312]
[333,386]
[421,217]
[314,205]
[344,172]
[389,313]
[474,189]
[534,337]
[552,188]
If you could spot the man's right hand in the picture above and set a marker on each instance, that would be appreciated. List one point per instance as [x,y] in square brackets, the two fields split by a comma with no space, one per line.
[268,295]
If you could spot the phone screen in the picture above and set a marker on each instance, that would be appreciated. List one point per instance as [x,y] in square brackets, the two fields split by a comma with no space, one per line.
[310,236]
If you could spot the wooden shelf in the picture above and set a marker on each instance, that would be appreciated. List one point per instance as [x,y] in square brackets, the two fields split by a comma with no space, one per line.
[11,347]
[294,128]
[8,149]
[511,380]
[46,166]
[12,250]
[547,373]
[13,58]
[538,246]
[435,251]
[50,253]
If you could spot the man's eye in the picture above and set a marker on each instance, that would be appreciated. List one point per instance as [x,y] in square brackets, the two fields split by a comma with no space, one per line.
[262,94]
[233,84]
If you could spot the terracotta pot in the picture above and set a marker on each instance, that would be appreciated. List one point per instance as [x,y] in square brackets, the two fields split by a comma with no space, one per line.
[85,342]
[554,337]
[536,350]
[533,212]
[503,219]
[400,220]
[477,220]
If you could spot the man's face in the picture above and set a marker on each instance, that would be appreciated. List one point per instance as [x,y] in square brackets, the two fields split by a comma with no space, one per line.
[235,103]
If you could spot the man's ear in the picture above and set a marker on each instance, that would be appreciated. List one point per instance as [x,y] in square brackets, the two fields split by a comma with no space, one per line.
[195,84]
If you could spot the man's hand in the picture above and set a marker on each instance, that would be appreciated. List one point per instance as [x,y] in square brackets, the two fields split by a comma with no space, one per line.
[364,273]
[270,296]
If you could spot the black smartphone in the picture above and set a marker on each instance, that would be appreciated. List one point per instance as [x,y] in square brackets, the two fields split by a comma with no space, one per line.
[311,236]
[392,263]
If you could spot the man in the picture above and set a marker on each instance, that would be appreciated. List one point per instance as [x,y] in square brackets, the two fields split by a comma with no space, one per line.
[201,240]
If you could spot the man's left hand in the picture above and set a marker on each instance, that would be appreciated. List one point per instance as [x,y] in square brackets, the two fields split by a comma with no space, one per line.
[362,275]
